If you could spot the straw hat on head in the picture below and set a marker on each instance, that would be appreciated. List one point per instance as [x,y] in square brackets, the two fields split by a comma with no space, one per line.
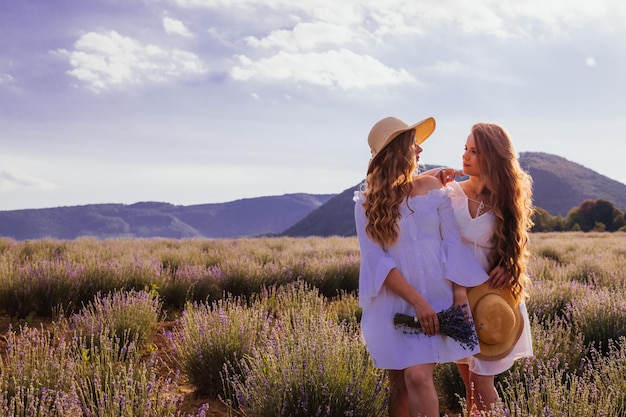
[387,129]
[497,319]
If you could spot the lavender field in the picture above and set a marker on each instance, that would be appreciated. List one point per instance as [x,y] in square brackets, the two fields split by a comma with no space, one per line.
[270,327]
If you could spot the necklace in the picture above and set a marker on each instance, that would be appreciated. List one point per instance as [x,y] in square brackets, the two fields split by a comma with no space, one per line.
[481,204]
[477,193]
[480,209]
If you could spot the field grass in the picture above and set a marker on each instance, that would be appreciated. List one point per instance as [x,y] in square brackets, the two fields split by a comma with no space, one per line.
[270,327]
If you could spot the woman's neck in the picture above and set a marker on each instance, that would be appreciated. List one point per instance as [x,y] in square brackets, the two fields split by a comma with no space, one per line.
[476,186]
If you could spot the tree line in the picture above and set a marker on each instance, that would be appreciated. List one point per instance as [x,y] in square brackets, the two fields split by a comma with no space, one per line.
[591,216]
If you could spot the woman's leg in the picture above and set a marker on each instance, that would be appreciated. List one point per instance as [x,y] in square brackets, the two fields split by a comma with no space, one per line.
[422,395]
[469,392]
[398,397]
[485,393]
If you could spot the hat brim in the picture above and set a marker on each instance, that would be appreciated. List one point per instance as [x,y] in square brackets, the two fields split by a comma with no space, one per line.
[492,352]
[423,130]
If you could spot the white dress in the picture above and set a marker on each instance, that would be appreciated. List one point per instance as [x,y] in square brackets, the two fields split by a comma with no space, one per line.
[476,234]
[428,253]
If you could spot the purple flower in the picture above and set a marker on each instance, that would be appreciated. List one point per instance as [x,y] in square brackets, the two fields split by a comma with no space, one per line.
[454,322]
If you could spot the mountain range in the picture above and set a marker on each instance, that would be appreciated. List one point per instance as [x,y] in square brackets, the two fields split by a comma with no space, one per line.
[558,186]
[245,217]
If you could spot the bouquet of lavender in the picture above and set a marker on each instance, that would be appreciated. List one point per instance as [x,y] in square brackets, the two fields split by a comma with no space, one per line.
[453,322]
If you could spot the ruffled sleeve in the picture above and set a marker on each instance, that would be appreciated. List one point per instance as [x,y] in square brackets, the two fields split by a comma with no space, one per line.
[375,262]
[460,265]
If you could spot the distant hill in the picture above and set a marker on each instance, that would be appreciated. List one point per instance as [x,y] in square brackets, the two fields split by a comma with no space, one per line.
[558,186]
[246,217]
[335,218]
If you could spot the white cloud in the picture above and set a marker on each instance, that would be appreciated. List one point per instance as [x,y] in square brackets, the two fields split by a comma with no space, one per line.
[176,27]
[502,19]
[350,44]
[106,60]
[305,37]
[449,68]
[519,63]
[6,78]
[456,69]
[338,68]
[11,180]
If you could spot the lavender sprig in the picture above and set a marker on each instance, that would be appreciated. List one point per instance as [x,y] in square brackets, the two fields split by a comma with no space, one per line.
[453,322]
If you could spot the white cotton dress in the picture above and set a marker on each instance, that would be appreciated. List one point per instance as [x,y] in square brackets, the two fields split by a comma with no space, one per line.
[476,234]
[429,254]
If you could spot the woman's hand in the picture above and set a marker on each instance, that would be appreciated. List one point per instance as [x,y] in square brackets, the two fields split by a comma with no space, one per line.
[423,311]
[427,317]
[499,278]
[446,175]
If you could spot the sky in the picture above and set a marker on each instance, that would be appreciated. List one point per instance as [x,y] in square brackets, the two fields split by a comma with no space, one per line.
[209,101]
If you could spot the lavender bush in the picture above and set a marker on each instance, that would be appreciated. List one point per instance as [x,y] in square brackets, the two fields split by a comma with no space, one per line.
[126,315]
[38,276]
[36,374]
[112,381]
[208,336]
[454,322]
[309,365]
[600,317]
[576,304]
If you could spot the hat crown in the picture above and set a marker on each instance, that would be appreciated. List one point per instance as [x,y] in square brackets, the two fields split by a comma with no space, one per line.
[497,319]
[494,319]
[383,132]
[387,129]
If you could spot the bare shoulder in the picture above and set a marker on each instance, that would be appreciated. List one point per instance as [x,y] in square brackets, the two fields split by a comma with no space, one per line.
[422,184]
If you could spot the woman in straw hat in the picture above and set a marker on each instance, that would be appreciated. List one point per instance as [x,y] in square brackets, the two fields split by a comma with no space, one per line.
[493,209]
[412,261]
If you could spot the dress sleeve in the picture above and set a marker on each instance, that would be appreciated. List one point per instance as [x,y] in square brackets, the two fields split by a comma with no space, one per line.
[460,265]
[375,262]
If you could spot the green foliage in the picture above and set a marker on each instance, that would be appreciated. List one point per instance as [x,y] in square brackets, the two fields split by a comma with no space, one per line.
[598,215]
[544,222]
[591,216]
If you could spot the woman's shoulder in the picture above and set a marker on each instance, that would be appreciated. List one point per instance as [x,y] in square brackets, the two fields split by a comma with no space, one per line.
[423,184]
[455,189]
[428,189]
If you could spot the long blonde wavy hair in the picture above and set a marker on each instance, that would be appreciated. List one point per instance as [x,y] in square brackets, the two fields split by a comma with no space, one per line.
[510,195]
[389,181]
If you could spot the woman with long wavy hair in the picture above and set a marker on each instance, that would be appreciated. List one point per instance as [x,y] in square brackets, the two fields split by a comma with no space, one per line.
[412,262]
[501,191]
[493,210]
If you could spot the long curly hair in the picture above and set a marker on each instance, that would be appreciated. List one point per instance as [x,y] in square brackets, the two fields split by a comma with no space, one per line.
[509,190]
[389,181]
